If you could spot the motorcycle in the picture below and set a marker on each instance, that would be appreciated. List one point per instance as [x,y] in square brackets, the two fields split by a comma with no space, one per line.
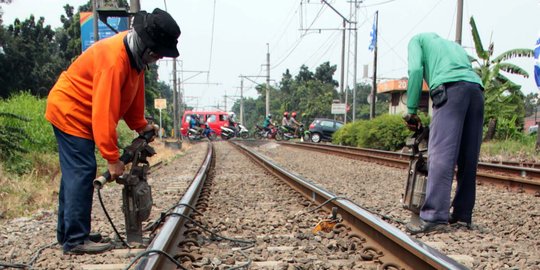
[284,133]
[194,135]
[228,133]
[305,135]
[261,133]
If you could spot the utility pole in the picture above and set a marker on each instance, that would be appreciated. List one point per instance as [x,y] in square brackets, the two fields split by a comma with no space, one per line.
[355,59]
[96,20]
[241,91]
[374,87]
[342,54]
[354,19]
[459,21]
[267,79]
[242,100]
[175,103]
[225,100]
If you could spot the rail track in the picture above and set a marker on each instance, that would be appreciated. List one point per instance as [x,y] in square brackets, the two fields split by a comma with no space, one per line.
[241,213]
[364,234]
[515,178]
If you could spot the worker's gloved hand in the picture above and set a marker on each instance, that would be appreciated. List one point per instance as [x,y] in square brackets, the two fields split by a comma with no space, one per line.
[413,121]
[148,128]
[116,169]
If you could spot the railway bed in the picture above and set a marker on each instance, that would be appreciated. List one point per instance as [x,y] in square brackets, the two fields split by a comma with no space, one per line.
[278,221]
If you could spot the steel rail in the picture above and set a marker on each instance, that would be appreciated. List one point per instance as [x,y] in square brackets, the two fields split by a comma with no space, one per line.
[397,248]
[513,178]
[172,230]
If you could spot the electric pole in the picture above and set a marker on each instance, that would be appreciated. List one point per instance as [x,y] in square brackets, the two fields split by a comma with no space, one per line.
[242,100]
[96,20]
[175,102]
[355,59]
[267,79]
[342,82]
[374,87]
[459,21]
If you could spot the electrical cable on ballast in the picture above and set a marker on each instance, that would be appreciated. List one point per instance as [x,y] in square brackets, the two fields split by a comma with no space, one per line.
[15,265]
[32,260]
[148,252]
[374,212]
[156,223]
[249,261]
[243,241]
[110,220]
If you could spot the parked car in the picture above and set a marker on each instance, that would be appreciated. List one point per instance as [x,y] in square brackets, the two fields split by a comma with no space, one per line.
[322,129]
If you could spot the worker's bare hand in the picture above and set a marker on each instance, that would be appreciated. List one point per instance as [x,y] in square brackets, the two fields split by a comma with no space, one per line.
[116,169]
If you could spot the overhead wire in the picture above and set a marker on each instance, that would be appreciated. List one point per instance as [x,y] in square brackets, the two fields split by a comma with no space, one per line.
[323,45]
[299,40]
[288,21]
[391,48]
[334,39]
[381,3]
[203,93]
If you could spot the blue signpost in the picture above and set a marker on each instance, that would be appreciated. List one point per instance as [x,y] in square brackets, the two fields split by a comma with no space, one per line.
[87,31]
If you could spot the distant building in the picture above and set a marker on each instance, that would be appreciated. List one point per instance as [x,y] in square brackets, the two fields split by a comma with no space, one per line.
[398,96]
[531,121]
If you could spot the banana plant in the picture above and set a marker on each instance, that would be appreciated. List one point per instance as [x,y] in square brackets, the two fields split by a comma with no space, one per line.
[503,98]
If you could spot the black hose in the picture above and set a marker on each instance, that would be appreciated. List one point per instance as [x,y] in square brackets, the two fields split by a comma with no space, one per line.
[110,220]
[148,252]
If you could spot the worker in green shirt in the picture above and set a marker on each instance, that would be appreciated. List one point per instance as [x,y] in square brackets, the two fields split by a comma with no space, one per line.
[455,135]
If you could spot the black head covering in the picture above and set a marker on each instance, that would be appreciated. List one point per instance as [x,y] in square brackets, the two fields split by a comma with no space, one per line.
[158,31]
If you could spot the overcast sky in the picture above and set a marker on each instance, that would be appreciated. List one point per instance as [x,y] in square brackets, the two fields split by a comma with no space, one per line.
[237,44]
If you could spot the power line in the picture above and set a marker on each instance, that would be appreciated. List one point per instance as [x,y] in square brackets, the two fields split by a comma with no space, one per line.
[291,15]
[381,3]
[330,46]
[211,41]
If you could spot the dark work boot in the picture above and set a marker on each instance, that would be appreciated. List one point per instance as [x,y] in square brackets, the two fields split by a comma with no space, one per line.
[455,220]
[89,247]
[98,238]
[423,227]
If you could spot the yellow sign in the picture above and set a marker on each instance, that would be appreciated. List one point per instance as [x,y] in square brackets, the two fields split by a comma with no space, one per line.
[160,103]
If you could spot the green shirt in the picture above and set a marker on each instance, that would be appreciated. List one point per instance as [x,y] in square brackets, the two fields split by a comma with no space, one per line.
[438,61]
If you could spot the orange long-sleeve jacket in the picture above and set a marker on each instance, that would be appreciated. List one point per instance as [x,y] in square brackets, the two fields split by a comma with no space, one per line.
[98,89]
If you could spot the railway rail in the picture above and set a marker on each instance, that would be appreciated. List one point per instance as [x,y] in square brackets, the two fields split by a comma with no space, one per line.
[514,178]
[253,209]
[392,248]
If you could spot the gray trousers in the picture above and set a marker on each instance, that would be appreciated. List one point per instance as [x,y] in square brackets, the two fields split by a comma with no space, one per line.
[455,138]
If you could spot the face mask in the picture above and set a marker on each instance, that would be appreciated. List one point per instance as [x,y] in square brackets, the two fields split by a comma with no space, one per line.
[150,57]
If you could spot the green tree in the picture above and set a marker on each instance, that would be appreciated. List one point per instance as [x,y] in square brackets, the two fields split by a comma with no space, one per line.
[503,98]
[30,60]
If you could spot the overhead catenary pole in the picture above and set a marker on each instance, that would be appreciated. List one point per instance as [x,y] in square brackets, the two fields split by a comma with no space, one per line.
[267,79]
[342,54]
[355,70]
[342,75]
[374,86]
[175,102]
[242,100]
[459,21]
[96,20]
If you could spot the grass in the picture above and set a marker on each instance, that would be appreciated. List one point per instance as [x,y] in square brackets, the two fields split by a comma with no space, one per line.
[511,150]
[22,195]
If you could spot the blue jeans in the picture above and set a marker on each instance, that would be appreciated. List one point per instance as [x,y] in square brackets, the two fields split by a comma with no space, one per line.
[78,165]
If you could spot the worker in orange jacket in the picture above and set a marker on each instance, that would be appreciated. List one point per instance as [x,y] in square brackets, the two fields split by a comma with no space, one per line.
[103,85]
